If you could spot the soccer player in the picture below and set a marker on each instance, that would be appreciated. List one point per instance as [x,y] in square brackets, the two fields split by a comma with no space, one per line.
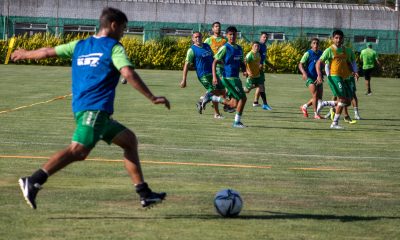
[263,63]
[201,56]
[231,55]
[342,64]
[253,69]
[216,41]
[309,74]
[368,57]
[97,63]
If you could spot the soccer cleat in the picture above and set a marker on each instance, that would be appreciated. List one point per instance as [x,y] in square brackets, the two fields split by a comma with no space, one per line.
[199,107]
[319,106]
[357,117]
[332,113]
[152,198]
[256,104]
[206,99]
[229,109]
[318,117]
[349,120]
[124,81]
[238,125]
[218,116]
[368,93]
[336,126]
[266,107]
[304,111]
[29,190]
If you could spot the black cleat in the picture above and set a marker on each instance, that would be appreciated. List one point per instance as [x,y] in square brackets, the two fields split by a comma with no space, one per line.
[199,107]
[152,198]
[29,190]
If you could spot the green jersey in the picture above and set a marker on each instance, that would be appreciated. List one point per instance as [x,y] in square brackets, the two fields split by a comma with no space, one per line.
[368,56]
[119,57]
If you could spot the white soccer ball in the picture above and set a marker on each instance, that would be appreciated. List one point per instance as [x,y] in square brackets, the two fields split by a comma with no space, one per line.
[228,203]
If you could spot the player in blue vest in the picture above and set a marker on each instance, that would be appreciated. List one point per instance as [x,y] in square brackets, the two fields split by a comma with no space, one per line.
[263,63]
[97,64]
[231,55]
[200,55]
[309,75]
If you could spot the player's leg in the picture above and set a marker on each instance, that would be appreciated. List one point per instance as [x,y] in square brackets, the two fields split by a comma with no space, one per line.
[127,140]
[85,137]
[340,90]
[367,77]
[311,88]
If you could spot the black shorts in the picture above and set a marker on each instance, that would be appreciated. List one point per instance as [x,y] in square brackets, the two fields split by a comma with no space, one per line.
[367,73]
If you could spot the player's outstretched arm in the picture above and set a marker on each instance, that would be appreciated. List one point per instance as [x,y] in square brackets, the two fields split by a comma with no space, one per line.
[184,75]
[22,54]
[136,82]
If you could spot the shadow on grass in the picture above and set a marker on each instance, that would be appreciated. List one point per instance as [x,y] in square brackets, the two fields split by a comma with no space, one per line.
[268,216]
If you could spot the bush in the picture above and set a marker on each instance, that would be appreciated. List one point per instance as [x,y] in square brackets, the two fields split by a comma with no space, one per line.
[169,53]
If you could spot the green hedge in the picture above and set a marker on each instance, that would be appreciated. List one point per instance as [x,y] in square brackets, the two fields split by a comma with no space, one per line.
[169,53]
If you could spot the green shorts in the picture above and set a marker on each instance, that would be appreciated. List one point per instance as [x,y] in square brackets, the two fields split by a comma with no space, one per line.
[234,88]
[92,126]
[254,82]
[207,82]
[309,81]
[351,81]
[339,87]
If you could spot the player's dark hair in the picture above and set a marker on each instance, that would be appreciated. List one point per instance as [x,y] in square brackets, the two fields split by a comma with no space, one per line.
[337,32]
[255,42]
[216,23]
[262,33]
[109,15]
[315,39]
[231,29]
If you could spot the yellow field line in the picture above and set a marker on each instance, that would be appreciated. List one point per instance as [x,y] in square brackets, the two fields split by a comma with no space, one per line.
[33,104]
[323,169]
[199,164]
[155,162]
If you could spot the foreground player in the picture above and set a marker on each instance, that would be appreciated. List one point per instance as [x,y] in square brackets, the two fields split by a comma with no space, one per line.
[309,74]
[231,55]
[342,65]
[201,56]
[97,63]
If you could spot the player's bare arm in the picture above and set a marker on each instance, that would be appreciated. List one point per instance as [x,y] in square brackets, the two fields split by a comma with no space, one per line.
[303,72]
[184,77]
[136,82]
[41,53]
[318,68]
[214,71]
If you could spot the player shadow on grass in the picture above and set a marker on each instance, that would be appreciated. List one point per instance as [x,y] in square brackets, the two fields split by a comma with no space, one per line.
[290,216]
[268,216]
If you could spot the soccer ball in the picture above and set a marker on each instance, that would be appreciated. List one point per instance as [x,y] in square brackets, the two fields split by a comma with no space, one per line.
[228,203]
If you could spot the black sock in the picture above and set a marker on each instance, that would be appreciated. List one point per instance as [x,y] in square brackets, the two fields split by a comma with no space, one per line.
[39,176]
[263,97]
[143,189]
[255,102]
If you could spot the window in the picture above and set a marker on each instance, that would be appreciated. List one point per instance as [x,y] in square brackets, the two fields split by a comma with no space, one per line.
[134,31]
[176,32]
[364,39]
[276,36]
[79,29]
[320,36]
[30,28]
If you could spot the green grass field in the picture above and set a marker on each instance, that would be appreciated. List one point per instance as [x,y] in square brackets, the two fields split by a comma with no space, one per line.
[298,178]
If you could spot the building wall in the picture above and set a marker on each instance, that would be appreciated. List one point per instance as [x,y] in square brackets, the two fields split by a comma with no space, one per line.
[199,14]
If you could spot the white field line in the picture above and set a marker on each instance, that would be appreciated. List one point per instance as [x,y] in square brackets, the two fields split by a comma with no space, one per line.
[227,151]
